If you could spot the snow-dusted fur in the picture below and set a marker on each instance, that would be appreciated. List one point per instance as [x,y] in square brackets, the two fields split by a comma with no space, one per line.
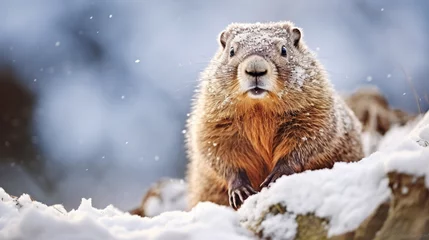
[237,142]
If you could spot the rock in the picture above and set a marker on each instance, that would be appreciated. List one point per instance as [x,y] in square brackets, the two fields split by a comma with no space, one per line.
[165,195]
[408,215]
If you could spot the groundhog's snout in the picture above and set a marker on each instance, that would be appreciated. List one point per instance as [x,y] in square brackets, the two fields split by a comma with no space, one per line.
[255,76]
[256,68]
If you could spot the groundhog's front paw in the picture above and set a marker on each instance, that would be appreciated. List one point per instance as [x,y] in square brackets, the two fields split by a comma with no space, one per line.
[239,194]
[239,190]
[279,170]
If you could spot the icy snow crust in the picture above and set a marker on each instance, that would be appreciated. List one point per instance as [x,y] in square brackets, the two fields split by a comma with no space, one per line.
[345,196]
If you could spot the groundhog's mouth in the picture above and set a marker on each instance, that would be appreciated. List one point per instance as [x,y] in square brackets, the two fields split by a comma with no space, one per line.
[256,91]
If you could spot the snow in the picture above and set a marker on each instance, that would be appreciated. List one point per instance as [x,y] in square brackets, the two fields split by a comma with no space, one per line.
[286,230]
[300,74]
[344,195]
[23,219]
[404,190]
[369,78]
[390,139]
[373,141]
[413,152]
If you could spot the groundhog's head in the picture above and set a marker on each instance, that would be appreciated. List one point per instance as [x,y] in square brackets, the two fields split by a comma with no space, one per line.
[265,63]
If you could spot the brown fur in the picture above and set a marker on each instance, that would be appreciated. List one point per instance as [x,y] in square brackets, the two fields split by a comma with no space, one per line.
[302,127]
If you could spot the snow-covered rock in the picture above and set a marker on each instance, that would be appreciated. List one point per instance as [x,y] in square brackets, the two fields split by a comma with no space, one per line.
[345,195]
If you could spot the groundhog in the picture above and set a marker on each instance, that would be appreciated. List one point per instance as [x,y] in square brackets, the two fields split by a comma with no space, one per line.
[265,108]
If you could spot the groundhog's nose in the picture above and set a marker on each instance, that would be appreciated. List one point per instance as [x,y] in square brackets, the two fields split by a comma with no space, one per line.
[256,73]
[256,66]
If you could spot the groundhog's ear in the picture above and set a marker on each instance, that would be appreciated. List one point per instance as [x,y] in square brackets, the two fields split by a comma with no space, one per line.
[222,38]
[296,36]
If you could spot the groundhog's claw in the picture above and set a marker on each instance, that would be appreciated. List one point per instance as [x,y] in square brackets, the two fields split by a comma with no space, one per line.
[271,178]
[239,189]
[238,195]
[278,171]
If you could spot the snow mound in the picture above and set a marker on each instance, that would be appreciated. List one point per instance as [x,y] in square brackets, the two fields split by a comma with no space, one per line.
[344,195]
[21,218]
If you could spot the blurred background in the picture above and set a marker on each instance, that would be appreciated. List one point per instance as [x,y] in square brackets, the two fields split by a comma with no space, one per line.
[94,94]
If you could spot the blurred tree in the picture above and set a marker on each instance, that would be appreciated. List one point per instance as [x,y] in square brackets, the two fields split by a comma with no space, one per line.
[18,146]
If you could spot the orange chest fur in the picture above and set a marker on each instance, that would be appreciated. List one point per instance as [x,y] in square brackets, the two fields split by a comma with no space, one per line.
[259,132]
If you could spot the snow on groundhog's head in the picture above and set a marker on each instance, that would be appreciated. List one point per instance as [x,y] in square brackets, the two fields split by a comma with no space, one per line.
[263,62]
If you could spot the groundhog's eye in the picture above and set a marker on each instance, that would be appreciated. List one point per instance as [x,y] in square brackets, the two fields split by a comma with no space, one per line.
[284,51]
[231,52]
